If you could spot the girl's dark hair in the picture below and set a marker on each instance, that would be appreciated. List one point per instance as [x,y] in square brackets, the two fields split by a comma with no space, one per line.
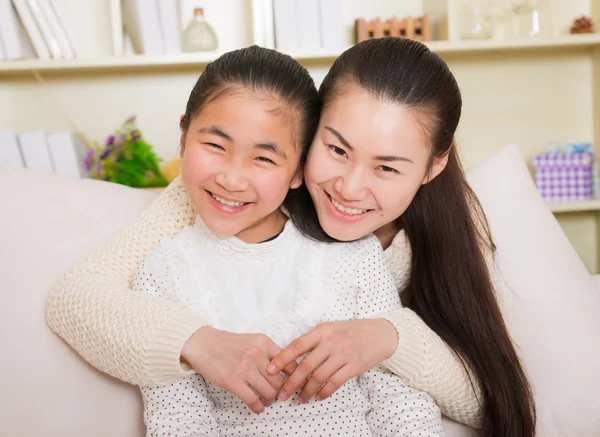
[450,286]
[262,70]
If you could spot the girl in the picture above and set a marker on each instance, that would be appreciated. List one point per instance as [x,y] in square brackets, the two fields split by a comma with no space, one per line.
[245,267]
[451,342]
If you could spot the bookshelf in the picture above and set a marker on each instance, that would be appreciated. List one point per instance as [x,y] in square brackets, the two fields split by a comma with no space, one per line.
[182,61]
[519,91]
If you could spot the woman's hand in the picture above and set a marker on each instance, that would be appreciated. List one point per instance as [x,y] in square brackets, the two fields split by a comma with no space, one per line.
[337,351]
[236,363]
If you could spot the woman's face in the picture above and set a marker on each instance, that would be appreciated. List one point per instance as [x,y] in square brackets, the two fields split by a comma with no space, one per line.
[366,163]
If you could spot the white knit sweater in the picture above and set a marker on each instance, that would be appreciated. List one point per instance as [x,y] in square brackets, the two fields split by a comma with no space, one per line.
[87,308]
[281,288]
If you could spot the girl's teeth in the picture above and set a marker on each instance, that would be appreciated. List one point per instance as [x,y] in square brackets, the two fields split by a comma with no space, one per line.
[349,211]
[227,202]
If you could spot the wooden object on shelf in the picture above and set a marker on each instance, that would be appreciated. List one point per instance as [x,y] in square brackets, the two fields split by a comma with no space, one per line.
[412,28]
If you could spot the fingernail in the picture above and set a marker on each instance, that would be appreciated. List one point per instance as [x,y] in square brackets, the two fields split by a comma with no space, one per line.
[271,369]
[301,400]
[317,398]
[283,396]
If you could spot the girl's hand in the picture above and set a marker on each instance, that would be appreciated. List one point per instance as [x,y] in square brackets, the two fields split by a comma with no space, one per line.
[337,351]
[236,363]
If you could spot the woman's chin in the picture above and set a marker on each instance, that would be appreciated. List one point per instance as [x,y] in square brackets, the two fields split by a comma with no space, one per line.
[345,232]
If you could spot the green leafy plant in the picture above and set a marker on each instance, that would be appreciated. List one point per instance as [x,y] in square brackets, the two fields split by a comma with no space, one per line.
[126,159]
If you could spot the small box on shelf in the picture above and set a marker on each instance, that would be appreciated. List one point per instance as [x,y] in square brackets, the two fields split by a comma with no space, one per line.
[565,174]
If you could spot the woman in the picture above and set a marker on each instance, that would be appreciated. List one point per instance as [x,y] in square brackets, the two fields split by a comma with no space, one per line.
[383,93]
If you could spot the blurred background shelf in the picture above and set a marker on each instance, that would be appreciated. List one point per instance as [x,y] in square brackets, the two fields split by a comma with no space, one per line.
[185,61]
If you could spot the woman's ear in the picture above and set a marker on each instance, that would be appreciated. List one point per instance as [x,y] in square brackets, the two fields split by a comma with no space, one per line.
[439,163]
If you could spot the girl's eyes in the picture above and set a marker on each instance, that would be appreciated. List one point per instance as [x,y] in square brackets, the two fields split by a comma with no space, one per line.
[338,150]
[265,160]
[214,146]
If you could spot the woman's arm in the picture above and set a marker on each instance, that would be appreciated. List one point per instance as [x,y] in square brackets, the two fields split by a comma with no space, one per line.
[420,358]
[426,363]
[131,336]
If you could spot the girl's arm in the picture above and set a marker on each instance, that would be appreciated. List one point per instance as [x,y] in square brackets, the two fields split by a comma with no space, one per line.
[181,409]
[131,336]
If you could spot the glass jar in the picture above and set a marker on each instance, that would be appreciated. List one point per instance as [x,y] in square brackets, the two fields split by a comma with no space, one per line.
[199,36]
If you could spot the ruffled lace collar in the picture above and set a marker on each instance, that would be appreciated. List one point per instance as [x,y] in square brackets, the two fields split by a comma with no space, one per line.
[234,248]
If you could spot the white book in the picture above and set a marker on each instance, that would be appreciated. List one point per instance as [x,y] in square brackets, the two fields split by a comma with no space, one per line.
[44,26]
[331,24]
[263,31]
[116,26]
[168,12]
[35,151]
[14,40]
[308,22]
[68,153]
[287,31]
[142,23]
[2,55]
[30,26]
[10,152]
[57,28]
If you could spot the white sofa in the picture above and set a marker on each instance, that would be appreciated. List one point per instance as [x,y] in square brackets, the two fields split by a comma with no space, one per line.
[48,224]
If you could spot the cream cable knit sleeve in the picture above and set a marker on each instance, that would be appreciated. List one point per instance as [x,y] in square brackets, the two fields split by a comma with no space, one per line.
[138,338]
[132,336]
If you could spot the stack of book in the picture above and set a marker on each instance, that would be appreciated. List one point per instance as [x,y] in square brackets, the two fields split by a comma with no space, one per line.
[62,153]
[33,28]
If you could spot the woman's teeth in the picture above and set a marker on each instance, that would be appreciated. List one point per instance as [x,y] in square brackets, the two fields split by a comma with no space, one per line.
[349,211]
[227,202]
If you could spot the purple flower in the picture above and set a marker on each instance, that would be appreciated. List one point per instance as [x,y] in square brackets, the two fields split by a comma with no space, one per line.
[88,161]
[110,140]
[131,119]
[105,154]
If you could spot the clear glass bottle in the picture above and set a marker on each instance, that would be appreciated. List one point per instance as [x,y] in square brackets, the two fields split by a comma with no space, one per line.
[474,20]
[199,36]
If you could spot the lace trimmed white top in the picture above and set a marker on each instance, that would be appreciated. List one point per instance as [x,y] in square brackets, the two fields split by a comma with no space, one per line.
[281,288]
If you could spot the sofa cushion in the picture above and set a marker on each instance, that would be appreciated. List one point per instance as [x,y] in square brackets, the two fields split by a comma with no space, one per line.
[47,225]
[549,300]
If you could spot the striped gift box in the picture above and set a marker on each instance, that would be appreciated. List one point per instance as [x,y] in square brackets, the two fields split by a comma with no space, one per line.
[564,177]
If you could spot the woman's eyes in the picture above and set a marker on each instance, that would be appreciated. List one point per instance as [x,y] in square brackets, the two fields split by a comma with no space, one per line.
[338,150]
[387,169]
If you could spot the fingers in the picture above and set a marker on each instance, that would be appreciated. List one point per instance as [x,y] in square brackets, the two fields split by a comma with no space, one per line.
[276,381]
[320,376]
[335,382]
[264,389]
[247,395]
[302,372]
[295,349]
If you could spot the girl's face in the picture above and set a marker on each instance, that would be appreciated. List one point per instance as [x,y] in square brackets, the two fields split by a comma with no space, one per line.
[239,159]
[366,163]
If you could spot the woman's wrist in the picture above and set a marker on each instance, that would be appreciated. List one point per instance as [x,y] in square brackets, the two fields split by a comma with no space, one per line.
[195,345]
[388,334]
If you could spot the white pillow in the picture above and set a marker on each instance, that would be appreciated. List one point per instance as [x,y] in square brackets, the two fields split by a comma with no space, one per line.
[47,225]
[549,300]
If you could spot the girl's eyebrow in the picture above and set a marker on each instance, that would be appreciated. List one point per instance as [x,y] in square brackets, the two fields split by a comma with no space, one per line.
[386,158]
[271,147]
[216,131]
[268,147]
